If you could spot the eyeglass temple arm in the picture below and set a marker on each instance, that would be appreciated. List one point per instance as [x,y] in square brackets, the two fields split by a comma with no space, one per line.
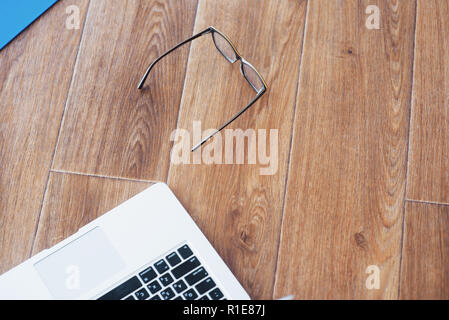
[238,114]
[208,30]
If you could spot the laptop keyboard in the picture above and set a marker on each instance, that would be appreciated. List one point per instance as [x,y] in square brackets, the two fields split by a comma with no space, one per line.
[177,276]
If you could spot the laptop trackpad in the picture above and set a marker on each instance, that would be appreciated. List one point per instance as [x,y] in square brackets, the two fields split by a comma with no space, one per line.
[80,266]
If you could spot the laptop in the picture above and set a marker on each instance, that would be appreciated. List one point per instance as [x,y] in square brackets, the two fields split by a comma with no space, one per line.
[147,248]
[16,15]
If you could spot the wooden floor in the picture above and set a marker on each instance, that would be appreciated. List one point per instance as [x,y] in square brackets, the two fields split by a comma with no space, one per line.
[363,120]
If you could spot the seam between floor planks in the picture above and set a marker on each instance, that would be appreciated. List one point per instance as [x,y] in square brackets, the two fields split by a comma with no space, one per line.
[184,82]
[298,88]
[60,127]
[412,74]
[103,176]
[432,203]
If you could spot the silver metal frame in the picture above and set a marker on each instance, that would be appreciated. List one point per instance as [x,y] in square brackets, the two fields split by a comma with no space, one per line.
[212,30]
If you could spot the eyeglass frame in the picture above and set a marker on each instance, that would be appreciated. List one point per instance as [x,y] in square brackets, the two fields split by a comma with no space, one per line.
[211,30]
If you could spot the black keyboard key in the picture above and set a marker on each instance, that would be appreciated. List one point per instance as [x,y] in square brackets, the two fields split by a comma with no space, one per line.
[180,286]
[173,259]
[190,295]
[156,297]
[131,297]
[216,294]
[196,276]
[205,285]
[185,251]
[204,298]
[166,279]
[122,290]
[178,298]
[185,267]
[161,266]
[154,287]
[142,294]
[167,294]
[148,274]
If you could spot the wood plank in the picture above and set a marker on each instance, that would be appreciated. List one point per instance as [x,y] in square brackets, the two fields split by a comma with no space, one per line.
[428,173]
[238,209]
[346,186]
[72,201]
[110,127]
[425,253]
[35,74]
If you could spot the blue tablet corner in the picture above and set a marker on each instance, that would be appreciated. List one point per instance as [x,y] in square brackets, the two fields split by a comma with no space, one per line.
[16,15]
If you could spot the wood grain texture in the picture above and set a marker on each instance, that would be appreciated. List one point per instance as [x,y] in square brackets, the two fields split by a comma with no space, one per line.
[425,253]
[343,180]
[238,209]
[110,127]
[346,187]
[428,173]
[35,73]
[72,201]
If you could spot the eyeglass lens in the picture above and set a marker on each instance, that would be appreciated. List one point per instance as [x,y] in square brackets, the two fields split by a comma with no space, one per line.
[224,47]
[228,52]
[252,77]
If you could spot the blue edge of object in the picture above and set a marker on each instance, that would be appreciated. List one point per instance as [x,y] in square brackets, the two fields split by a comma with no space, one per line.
[17,15]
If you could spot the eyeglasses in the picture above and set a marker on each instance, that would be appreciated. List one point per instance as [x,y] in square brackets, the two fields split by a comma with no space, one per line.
[228,50]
